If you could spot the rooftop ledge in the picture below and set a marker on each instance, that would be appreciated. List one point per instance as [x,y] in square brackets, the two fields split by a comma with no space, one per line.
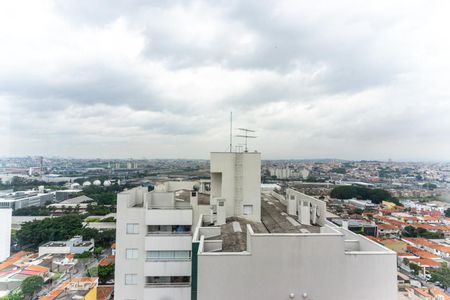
[170,207]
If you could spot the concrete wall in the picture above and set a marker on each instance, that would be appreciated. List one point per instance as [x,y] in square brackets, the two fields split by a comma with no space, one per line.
[168,217]
[223,179]
[309,209]
[280,264]
[5,232]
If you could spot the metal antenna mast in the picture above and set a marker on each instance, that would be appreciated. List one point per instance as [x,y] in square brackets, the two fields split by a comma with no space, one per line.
[231,131]
[246,136]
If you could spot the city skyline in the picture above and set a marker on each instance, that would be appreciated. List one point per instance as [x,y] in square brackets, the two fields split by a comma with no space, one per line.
[139,79]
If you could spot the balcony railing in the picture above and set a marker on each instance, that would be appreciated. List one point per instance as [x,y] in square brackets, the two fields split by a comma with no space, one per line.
[167,259]
[178,205]
[169,233]
[168,285]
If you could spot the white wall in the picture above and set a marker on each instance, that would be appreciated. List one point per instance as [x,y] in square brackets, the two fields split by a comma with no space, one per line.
[160,293]
[280,264]
[168,217]
[53,250]
[5,233]
[223,181]
[168,242]
[168,268]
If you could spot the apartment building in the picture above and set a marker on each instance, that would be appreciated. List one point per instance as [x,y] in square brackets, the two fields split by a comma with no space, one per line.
[243,244]
[153,246]
[5,233]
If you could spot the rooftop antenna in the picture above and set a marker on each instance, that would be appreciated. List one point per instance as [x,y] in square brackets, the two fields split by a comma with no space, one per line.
[246,136]
[231,131]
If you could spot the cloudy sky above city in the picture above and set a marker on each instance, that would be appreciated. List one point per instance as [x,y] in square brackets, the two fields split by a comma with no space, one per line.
[158,79]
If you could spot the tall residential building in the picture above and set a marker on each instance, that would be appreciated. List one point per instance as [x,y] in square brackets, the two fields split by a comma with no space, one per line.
[5,233]
[244,244]
[153,246]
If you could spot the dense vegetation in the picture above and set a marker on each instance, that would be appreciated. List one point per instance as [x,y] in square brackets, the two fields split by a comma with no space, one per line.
[99,210]
[410,231]
[441,275]
[31,285]
[104,273]
[32,234]
[339,170]
[20,183]
[349,192]
[32,211]
[447,212]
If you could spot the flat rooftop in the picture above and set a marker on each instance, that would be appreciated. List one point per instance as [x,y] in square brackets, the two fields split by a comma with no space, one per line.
[274,219]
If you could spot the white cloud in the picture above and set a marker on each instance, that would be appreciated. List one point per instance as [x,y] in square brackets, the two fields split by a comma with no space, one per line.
[158,79]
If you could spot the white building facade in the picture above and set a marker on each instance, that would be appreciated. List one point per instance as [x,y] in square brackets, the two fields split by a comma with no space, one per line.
[5,233]
[236,181]
[243,245]
[153,246]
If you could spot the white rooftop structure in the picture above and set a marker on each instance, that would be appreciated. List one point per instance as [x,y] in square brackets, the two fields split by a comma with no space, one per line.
[242,244]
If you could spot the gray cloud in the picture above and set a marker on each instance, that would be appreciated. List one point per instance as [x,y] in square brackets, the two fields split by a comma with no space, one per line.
[335,80]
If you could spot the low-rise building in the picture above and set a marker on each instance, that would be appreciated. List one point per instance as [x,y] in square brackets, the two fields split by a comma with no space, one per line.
[74,245]
[23,199]
[77,288]
[79,203]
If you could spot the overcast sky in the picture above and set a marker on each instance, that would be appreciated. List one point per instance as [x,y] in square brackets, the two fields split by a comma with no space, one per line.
[158,79]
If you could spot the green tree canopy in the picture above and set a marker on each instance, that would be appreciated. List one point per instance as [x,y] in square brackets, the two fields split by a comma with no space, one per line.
[38,232]
[442,275]
[31,284]
[349,192]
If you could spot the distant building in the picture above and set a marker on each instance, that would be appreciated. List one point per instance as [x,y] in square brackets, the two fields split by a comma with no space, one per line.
[81,203]
[361,204]
[23,199]
[74,245]
[358,226]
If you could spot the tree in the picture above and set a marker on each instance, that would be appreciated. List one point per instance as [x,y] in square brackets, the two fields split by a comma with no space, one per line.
[37,232]
[414,268]
[14,295]
[429,186]
[105,272]
[31,284]
[442,275]
[409,231]
[357,211]
[447,212]
[375,195]
[32,211]
[85,254]
[98,250]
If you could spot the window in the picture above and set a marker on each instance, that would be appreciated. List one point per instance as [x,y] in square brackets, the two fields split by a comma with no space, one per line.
[165,229]
[168,255]
[132,253]
[132,228]
[248,210]
[168,280]
[130,279]
[305,203]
